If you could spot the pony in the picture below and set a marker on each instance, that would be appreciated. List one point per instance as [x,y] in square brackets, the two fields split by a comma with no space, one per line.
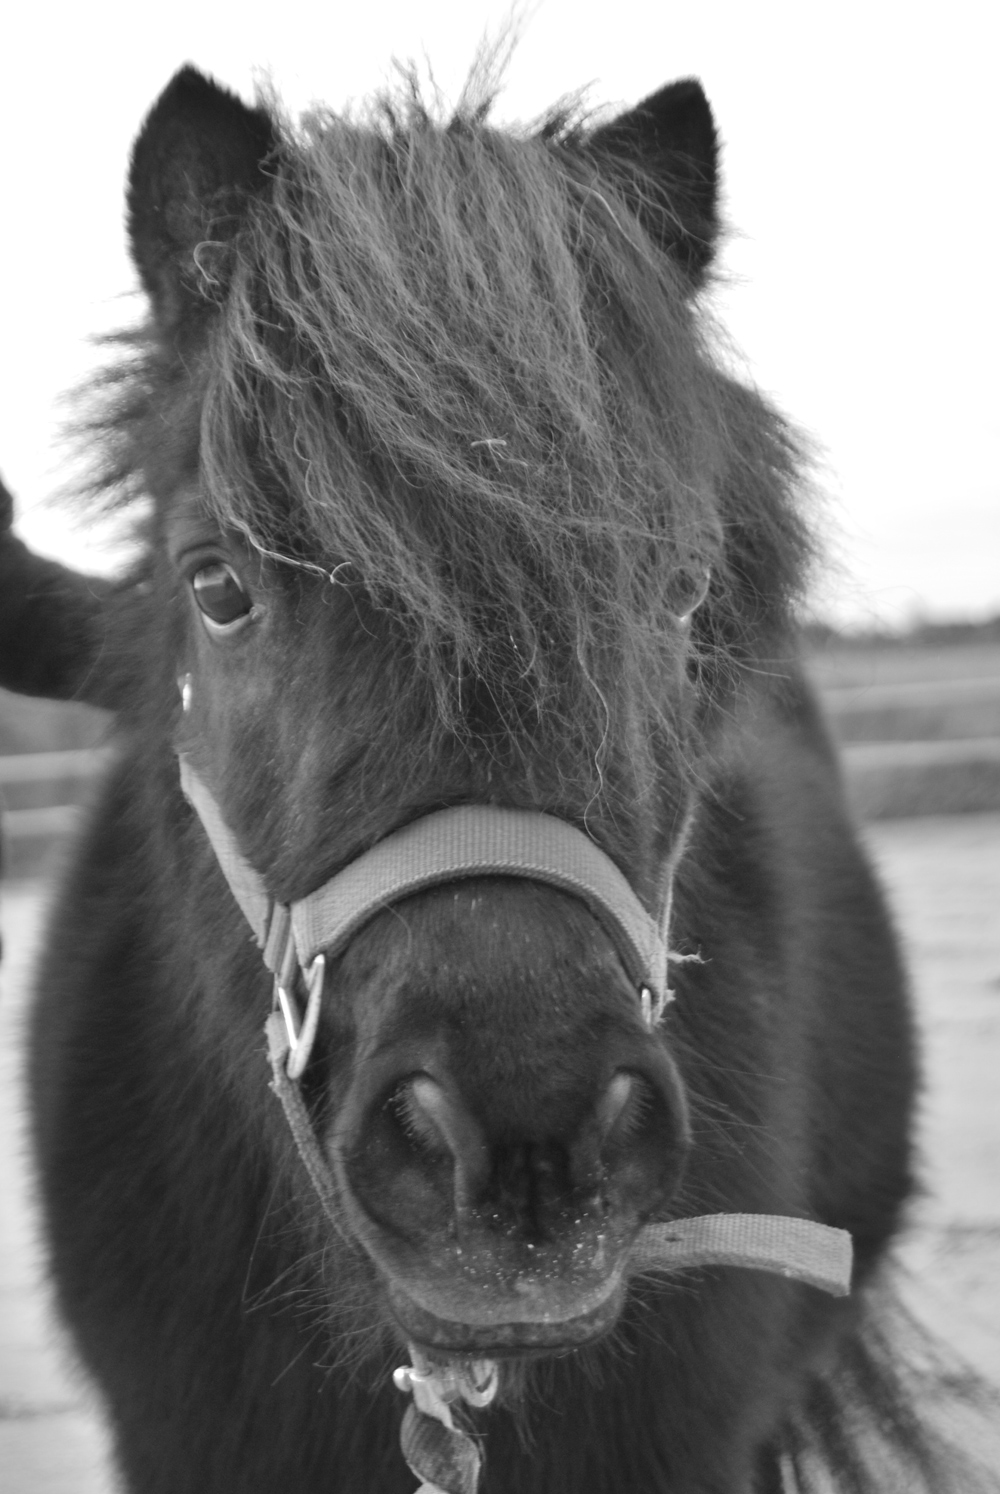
[446,500]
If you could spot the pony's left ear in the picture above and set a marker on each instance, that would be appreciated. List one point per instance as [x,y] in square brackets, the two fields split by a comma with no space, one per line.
[199,157]
[664,155]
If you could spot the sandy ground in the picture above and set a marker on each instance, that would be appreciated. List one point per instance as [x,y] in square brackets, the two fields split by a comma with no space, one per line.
[944,879]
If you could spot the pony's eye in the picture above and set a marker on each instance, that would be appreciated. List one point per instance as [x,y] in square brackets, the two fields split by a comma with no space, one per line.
[220,595]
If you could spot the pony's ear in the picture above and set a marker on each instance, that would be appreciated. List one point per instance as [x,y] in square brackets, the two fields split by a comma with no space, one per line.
[665,156]
[199,156]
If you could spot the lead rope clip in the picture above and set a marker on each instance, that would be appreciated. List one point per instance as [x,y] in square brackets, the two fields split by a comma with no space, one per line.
[443,1456]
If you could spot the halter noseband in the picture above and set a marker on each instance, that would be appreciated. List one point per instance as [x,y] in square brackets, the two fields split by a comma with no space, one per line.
[471,840]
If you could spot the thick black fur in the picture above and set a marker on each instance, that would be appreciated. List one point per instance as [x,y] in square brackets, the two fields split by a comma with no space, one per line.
[238,1345]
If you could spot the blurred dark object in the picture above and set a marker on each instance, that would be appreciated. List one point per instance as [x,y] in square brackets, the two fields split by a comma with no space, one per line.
[53,622]
[54,643]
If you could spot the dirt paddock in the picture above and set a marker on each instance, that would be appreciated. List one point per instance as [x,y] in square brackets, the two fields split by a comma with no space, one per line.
[943,874]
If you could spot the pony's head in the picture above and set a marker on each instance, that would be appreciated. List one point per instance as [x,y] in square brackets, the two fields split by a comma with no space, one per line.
[452,506]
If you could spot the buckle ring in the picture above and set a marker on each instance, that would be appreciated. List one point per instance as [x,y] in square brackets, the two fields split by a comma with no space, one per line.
[303,1039]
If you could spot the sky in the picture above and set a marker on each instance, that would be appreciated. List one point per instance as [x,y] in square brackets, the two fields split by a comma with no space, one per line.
[858,275]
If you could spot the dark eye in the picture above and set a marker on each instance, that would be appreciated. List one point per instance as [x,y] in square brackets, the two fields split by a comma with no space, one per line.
[220,595]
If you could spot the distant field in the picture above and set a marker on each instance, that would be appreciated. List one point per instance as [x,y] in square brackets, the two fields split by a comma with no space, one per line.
[28,725]
[892,665]
[918,727]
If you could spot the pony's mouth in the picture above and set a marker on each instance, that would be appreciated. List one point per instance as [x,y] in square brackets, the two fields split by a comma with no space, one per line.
[497,1339]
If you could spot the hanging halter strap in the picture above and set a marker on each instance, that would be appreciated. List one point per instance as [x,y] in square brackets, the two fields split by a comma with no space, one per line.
[475,841]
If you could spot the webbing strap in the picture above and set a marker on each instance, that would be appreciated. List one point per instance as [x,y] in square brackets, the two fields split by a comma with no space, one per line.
[471,840]
[476,840]
[245,884]
[297,1116]
[797,1248]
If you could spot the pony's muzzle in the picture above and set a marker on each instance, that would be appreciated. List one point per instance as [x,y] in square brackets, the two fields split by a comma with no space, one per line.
[491,1226]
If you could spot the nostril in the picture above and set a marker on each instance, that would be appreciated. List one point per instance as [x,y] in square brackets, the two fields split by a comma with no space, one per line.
[417,1119]
[442,1127]
[633,1146]
[620,1108]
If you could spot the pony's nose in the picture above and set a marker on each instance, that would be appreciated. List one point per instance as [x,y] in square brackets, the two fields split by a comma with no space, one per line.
[425,1157]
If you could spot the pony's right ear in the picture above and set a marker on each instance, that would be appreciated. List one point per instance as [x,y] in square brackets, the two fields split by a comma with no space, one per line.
[200,155]
[664,155]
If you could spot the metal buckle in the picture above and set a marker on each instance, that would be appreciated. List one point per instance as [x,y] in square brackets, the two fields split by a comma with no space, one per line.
[653,1009]
[301,1042]
[285,966]
[474,1382]
[285,1001]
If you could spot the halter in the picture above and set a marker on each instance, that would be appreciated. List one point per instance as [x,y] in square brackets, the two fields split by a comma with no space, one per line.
[472,840]
[475,840]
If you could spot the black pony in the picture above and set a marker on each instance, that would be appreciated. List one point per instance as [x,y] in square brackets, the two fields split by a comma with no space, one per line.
[446,501]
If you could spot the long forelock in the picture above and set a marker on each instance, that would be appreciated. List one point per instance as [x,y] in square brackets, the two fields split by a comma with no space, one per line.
[451,364]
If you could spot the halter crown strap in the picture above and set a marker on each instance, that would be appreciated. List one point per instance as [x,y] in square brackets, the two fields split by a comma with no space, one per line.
[472,840]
